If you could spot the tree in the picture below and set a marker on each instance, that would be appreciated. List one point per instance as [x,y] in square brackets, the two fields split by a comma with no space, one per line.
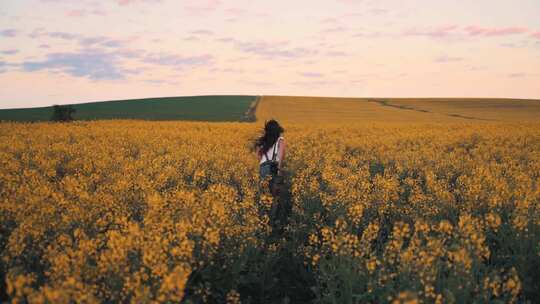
[62,113]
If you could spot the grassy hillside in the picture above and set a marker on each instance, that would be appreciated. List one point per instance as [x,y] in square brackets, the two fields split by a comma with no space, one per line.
[204,108]
[337,110]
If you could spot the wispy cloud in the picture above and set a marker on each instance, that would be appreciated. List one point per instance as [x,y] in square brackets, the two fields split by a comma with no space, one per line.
[9,52]
[83,40]
[336,54]
[447,59]
[202,6]
[202,32]
[467,31]
[493,31]
[536,35]
[437,32]
[63,35]
[379,11]
[269,50]
[311,75]
[84,12]
[8,33]
[517,75]
[313,83]
[129,2]
[92,64]
[177,61]
[329,20]
[333,30]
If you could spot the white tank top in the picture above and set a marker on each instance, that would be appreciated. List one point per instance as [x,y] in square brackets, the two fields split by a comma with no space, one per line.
[268,155]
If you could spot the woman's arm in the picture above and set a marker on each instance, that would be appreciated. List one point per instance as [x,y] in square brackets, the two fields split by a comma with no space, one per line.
[258,151]
[281,152]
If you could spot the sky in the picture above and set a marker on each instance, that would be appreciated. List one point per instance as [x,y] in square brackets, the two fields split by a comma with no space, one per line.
[71,51]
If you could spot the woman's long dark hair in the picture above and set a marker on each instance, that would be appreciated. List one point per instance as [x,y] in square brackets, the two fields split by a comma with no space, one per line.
[272,131]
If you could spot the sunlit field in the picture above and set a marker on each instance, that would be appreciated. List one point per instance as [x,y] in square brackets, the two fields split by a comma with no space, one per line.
[431,110]
[383,209]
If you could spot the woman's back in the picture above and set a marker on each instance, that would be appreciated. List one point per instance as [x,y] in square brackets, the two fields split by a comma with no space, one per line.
[273,150]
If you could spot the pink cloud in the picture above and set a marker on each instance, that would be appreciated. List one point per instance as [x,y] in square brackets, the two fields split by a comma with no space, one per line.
[76,13]
[337,29]
[83,13]
[349,1]
[517,75]
[447,59]
[439,32]
[8,32]
[9,52]
[336,54]
[329,20]
[488,32]
[202,6]
[536,35]
[128,2]
[379,11]
[236,12]
[311,74]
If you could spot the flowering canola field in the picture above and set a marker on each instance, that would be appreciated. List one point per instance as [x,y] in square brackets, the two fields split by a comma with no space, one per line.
[133,211]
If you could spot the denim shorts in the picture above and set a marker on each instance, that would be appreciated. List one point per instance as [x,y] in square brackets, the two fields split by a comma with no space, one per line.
[265,169]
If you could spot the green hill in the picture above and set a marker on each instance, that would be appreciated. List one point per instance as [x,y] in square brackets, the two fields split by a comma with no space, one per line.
[207,108]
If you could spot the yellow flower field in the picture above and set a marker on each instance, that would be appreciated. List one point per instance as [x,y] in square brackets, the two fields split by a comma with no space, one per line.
[135,211]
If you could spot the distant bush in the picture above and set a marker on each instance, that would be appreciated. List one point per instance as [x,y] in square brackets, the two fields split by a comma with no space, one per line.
[62,113]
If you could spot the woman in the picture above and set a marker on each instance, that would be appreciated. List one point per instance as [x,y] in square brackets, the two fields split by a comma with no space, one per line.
[270,149]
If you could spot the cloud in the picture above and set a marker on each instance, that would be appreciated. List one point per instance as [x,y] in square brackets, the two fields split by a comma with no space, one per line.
[517,75]
[226,39]
[84,13]
[350,1]
[236,12]
[228,70]
[337,29]
[379,11]
[536,35]
[8,32]
[336,54]
[63,35]
[258,83]
[269,50]
[462,32]
[9,52]
[202,6]
[447,59]
[369,34]
[488,32]
[178,61]
[313,83]
[202,32]
[100,41]
[129,2]
[438,32]
[85,41]
[329,20]
[191,38]
[4,65]
[311,75]
[92,64]
[478,68]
